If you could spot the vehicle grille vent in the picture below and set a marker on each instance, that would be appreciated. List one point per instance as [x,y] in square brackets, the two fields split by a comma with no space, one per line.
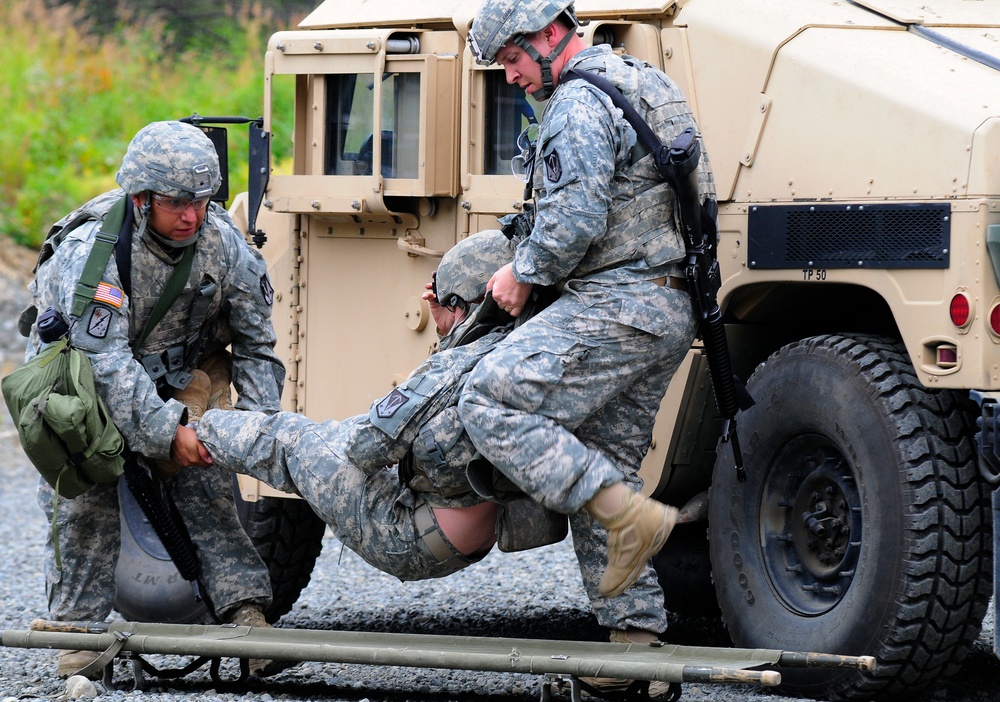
[849,236]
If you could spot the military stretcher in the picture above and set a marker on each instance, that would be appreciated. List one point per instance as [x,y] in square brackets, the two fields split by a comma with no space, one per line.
[562,663]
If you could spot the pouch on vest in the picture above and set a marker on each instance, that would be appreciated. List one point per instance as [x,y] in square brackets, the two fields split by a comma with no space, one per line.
[523,524]
[63,425]
[488,482]
[440,452]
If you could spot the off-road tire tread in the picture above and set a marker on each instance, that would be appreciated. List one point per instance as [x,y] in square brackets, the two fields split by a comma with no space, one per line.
[948,541]
[289,537]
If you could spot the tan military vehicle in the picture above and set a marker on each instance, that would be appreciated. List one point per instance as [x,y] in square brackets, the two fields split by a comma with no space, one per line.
[856,145]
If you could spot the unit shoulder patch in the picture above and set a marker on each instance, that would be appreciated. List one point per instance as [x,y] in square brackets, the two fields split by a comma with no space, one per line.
[553,167]
[99,322]
[267,289]
[388,405]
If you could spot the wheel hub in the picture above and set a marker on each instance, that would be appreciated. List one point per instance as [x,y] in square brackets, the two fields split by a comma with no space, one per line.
[822,535]
[812,525]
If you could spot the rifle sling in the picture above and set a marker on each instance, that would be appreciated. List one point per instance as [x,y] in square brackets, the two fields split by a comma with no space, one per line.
[642,129]
[171,290]
[675,163]
[672,164]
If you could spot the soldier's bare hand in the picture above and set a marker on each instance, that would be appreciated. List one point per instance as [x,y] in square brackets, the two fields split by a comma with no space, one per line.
[187,450]
[444,318]
[508,293]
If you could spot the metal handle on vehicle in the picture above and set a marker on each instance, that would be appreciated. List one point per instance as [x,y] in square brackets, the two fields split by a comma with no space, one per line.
[414,246]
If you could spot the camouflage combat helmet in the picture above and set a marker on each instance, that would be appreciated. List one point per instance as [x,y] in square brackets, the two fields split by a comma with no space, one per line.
[171,158]
[467,267]
[500,21]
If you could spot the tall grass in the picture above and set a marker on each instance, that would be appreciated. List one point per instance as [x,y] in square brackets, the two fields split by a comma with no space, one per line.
[72,102]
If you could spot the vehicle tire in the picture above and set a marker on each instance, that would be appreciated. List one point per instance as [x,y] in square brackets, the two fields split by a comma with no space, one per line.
[863,527]
[286,533]
[289,537]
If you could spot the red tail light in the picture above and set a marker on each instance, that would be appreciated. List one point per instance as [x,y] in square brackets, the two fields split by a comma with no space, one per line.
[961,310]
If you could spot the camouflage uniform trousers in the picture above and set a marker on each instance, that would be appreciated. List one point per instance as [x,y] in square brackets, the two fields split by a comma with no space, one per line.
[565,406]
[89,537]
[342,469]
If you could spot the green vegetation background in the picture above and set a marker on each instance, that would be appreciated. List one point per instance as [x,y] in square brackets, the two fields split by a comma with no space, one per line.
[75,88]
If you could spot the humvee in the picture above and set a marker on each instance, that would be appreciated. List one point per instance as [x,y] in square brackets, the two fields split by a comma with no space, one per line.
[856,147]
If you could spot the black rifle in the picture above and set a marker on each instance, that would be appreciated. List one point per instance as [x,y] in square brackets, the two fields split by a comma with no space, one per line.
[158,506]
[678,165]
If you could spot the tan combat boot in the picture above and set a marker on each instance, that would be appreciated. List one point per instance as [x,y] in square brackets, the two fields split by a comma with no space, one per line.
[617,687]
[219,368]
[637,526]
[195,398]
[69,663]
[249,614]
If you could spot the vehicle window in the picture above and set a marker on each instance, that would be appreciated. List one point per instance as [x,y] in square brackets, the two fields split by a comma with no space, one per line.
[508,112]
[350,105]
[350,124]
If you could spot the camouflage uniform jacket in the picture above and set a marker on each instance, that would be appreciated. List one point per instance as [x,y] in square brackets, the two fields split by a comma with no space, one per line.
[227,299]
[602,212]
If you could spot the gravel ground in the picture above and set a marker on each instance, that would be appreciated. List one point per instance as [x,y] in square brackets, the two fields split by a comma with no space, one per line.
[532,595]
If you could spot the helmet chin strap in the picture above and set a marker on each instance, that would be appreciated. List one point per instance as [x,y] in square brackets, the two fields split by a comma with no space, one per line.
[545,92]
[144,210]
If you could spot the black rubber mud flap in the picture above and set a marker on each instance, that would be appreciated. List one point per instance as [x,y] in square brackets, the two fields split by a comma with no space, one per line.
[685,574]
[863,527]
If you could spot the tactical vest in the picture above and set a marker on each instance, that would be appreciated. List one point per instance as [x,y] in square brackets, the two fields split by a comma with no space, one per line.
[642,224]
[174,345]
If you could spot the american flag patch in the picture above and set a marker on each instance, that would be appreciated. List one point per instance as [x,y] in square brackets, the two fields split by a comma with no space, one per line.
[109,295]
